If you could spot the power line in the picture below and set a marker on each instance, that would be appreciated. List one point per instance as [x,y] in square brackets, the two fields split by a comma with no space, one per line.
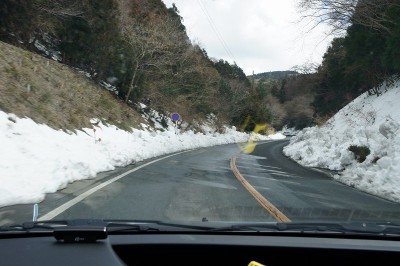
[215,29]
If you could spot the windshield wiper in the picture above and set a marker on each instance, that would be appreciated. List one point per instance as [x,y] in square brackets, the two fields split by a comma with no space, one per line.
[34,226]
[312,227]
[86,230]
[148,226]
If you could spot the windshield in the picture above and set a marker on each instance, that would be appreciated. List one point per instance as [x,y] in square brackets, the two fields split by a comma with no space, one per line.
[187,112]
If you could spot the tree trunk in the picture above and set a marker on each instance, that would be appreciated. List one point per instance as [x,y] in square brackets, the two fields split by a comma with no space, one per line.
[131,85]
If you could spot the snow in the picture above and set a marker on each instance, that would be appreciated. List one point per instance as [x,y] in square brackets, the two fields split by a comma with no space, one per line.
[47,51]
[289,131]
[371,121]
[108,86]
[36,159]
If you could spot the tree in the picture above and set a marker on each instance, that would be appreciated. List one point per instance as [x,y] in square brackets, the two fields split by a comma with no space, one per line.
[232,71]
[175,15]
[306,68]
[152,44]
[61,9]
[340,14]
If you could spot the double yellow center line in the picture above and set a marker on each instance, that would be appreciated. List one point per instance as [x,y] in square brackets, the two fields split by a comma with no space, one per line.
[277,214]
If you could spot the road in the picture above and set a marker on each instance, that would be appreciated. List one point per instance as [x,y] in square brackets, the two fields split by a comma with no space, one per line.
[304,194]
[200,184]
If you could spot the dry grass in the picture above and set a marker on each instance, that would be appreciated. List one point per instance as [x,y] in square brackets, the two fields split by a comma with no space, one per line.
[54,94]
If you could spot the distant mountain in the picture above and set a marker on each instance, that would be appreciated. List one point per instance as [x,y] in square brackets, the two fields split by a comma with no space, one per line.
[273,74]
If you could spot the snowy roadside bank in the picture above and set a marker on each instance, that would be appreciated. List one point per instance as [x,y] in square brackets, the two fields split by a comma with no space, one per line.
[368,121]
[35,159]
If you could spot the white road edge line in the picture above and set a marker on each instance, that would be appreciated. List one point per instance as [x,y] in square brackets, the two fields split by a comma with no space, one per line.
[50,215]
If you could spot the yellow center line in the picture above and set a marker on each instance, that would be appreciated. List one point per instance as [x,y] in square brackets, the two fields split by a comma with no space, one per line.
[277,214]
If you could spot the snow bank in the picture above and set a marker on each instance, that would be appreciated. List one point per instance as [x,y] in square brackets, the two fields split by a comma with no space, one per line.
[371,121]
[35,159]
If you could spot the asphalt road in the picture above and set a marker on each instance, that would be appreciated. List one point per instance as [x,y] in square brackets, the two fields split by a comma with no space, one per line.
[186,187]
[200,184]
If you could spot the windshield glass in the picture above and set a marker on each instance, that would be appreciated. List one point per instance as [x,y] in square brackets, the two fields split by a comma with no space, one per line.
[200,111]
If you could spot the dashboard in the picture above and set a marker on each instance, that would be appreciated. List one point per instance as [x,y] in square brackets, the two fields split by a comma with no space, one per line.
[199,249]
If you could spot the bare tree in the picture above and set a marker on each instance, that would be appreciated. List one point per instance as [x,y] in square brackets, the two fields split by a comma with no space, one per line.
[306,68]
[49,14]
[61,9]
[342,13]
[277,110]
[153,43]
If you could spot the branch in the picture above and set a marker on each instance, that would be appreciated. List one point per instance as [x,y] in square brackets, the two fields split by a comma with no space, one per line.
[61,9]
[340,14]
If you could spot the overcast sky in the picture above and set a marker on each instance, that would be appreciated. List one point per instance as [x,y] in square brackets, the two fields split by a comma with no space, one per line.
[259,35]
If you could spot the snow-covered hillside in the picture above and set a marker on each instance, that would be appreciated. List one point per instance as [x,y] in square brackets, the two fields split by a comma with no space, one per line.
[371,121]
[36,159]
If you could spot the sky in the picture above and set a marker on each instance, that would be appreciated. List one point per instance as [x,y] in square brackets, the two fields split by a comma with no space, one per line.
[259,35]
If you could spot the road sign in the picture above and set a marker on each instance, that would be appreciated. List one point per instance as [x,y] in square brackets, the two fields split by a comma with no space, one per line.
[175,117]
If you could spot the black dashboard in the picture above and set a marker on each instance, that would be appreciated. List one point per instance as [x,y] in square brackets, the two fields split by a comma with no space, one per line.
[200,249]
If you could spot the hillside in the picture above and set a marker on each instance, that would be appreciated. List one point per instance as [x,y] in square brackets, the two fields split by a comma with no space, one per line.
[140,48]
[59,124]
[361,141]
[273,74]
[55,94]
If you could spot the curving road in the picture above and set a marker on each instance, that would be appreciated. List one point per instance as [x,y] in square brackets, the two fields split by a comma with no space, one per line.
[200,184]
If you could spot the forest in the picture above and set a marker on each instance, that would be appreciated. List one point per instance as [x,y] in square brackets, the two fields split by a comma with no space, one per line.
[142,49]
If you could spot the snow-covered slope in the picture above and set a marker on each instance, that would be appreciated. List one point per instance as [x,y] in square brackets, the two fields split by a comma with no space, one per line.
[35,159]
[371,121]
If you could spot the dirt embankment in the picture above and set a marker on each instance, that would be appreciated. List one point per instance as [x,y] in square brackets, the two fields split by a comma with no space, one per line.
[54,94]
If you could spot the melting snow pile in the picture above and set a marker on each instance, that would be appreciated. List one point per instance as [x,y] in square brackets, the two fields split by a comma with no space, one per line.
[369,121]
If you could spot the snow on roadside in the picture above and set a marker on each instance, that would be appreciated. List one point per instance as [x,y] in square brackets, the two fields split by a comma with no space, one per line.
[371,121]
[35,159]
